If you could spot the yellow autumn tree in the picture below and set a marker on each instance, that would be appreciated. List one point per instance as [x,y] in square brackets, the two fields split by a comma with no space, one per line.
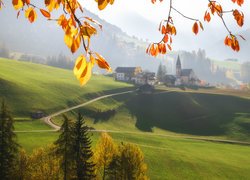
[44,164]
[132,163]
[104,153]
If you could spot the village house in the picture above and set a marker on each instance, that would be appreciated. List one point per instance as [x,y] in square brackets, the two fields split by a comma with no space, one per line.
[145,78]
[126,74]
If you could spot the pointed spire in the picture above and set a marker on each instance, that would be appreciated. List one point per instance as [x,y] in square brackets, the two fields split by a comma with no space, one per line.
[178,61]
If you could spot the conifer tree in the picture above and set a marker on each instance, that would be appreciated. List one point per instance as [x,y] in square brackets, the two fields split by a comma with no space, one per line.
[82,150]
[8,145]
[161,72]
[64,146]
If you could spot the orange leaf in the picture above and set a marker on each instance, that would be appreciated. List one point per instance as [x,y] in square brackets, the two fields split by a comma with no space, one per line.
[207,17]
[45,13]
[102,63]
[30,13]
[169,47]
[17,4]
[195,28]
[164,49]
[165,39]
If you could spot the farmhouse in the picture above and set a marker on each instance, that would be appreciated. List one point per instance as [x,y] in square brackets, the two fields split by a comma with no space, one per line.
[145,78]
[126,73]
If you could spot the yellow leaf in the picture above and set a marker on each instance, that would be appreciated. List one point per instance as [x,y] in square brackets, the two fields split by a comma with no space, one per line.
[50,4]
[76,43]
[102,4]
[30,13]
[80,65]
[86,74]
[17,4]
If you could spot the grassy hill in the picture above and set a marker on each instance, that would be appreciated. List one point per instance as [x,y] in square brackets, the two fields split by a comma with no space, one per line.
[169,113]
[29,87]
[197,113]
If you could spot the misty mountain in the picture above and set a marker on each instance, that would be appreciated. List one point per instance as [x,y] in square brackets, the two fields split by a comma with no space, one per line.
[44,38]
[221,52]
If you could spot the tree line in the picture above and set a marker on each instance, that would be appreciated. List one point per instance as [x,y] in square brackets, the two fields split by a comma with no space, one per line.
[71,156]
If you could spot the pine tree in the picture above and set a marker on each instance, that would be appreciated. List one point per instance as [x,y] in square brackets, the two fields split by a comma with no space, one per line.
[8,145]
[82,150]
[161,72]
[64,147]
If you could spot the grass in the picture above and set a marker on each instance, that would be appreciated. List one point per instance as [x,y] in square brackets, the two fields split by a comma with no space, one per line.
[172,158]
[168,111]
[31,125]
[29,87]
[175,112]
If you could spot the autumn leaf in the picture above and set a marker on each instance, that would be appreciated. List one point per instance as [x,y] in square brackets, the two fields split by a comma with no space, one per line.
[76,43]
[45,13]
[1,4]
[17,4]
[102,4]
[207,16]
[201,26]
[239,2]
[86,74]
[102,63]
[239,17]
[30,13]
[50,4]
[94,21]
[80,65]
[195,28]
[165,39]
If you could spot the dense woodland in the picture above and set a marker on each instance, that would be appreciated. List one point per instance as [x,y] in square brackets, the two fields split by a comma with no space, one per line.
[70,157]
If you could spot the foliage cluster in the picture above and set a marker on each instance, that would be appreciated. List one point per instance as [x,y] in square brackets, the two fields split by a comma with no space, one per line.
[70,157]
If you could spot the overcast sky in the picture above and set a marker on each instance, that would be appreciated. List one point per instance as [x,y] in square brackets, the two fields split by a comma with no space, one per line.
[141,18]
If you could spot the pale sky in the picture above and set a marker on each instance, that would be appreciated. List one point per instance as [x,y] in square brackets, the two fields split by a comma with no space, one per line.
[121,13]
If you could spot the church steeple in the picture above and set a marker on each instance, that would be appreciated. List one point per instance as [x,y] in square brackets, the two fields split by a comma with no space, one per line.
[178,67]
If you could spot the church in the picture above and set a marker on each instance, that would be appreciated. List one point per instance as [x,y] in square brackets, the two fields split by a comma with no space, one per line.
[185,76]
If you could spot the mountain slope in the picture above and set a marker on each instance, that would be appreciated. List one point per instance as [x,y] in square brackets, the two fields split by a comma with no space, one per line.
[30,87]
[45,38]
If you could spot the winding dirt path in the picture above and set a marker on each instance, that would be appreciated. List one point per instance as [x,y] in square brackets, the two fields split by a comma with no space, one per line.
[55,127]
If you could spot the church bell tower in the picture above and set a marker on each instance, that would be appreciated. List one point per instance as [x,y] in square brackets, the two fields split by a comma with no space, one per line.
[178,67]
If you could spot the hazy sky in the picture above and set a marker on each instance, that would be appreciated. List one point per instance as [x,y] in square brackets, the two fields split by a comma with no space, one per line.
[141,18]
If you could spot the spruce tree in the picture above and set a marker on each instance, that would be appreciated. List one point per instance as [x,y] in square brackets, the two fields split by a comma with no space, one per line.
[8,145]
[82,150]
[64,147]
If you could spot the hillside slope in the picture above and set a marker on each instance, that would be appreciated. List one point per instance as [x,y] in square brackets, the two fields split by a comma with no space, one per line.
[30,87]
[179,112]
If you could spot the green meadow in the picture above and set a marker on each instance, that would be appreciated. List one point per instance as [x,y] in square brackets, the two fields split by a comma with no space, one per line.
[159,123]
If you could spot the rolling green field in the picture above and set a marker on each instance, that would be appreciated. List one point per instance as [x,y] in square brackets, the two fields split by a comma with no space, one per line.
[194,113]
[172,158]
[29,87]
[159,123]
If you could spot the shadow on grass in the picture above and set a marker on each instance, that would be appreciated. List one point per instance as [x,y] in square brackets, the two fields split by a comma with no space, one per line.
[189,113]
